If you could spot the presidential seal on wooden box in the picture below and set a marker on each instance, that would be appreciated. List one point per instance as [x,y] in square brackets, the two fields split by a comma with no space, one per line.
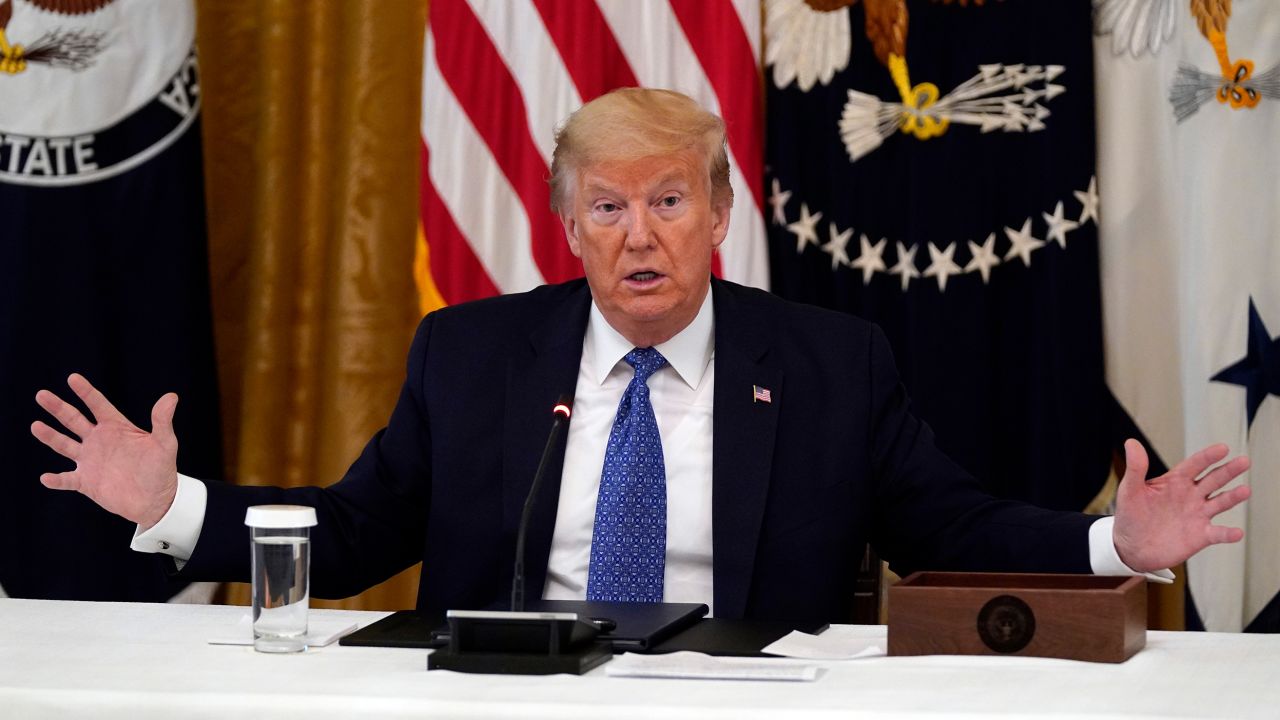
[1076,617]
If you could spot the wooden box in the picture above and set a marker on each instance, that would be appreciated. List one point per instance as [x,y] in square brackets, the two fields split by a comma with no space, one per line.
[1077,617]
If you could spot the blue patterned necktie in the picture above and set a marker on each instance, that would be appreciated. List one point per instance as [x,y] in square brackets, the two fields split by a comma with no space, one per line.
[629,542]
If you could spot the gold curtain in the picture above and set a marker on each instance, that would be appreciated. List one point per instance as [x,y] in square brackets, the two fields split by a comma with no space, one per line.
[310,114]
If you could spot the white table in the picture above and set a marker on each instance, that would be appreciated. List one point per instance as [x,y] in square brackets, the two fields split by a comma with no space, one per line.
[119,660]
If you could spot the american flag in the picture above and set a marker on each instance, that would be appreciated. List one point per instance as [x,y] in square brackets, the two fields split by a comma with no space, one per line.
[500,75]
[759,394]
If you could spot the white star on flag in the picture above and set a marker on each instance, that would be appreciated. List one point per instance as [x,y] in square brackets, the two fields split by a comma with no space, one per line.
[1088,201]
[871,259]
[1023,243]
[1059,226]
[984,257]
[837,246]
[805,229]
[778,201]
[941,265]
[906,267]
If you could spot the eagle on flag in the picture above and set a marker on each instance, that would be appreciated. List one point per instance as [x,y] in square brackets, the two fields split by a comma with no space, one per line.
[73,49]
[998,97]
[1143,26]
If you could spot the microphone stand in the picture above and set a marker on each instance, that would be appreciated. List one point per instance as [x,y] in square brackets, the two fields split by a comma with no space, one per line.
[562,410]
[517,642]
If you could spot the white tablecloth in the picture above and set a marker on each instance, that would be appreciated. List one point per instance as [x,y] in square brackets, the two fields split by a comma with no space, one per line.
[119,660]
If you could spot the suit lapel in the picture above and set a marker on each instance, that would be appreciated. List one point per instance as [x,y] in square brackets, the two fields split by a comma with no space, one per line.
[538,372]
[742,445]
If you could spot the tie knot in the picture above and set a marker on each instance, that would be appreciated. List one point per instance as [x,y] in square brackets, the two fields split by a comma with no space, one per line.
[646,361]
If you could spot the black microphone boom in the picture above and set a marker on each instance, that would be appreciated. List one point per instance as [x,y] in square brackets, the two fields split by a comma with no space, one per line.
[562,410]
[518,642]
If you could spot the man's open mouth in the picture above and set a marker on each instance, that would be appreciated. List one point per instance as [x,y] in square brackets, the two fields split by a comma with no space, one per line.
[642,276]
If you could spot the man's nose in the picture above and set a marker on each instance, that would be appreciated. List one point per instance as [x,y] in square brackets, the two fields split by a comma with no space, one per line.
[639,231]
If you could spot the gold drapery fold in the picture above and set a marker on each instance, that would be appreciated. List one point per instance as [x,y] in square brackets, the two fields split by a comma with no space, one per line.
[310,114]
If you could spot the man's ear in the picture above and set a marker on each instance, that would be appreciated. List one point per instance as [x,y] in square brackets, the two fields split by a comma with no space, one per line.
[720,223]
[571,233]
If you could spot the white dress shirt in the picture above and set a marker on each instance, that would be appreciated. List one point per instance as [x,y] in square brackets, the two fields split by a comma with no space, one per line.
[682,396]
[681,393]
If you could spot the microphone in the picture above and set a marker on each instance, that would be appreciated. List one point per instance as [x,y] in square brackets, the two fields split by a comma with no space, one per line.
[561,412]
[518,642]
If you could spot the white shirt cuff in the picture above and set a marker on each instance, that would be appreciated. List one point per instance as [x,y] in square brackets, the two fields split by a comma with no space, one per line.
[1104,559]
[177,532]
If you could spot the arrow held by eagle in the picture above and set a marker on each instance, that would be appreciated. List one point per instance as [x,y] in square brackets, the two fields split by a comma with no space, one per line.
[72,49]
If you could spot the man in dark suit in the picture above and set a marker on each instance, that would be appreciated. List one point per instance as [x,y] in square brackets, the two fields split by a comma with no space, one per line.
[750,446]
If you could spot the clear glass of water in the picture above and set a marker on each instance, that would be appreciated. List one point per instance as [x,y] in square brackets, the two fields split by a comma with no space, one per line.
[281,540]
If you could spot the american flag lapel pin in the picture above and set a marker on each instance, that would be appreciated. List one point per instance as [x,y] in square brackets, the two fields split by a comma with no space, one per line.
[759,394]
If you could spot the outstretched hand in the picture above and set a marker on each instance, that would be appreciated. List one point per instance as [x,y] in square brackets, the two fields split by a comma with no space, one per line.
[126,470]
[1163,521]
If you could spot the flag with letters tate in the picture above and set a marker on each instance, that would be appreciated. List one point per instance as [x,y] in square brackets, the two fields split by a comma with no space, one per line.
[1189,166]
[930,167]
[103,269]
[499,77]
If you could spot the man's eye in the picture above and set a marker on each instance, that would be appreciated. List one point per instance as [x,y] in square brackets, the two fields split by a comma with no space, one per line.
[606,207]
[670,201]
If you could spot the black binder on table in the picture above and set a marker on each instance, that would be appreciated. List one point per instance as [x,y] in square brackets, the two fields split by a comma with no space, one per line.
[638,626]
[400,629]
[733,638]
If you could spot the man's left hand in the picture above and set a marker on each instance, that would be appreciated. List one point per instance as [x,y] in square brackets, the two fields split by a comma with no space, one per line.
[1163,521]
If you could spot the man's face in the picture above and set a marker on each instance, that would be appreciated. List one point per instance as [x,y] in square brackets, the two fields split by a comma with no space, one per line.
[645,231]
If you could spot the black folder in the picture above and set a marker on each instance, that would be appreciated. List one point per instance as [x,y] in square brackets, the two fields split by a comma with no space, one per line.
[401,629]
[733,638]
[638,626]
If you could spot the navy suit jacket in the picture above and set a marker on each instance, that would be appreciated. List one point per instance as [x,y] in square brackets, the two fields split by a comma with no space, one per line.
[800,484]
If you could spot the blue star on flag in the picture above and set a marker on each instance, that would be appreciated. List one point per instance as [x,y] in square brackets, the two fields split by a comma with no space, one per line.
[1259,371]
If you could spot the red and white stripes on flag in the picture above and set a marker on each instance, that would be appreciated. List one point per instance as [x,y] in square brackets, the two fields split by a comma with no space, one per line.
[500,75]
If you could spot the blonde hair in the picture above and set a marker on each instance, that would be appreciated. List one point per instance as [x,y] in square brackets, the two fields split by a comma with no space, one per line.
[633,123]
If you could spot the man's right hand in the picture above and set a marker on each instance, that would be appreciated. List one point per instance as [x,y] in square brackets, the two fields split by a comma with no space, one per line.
[127,471]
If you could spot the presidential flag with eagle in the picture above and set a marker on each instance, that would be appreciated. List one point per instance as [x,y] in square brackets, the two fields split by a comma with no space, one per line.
[930,167]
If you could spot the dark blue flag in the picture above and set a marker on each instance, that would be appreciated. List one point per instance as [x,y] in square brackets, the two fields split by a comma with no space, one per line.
[930,167]
[103,270]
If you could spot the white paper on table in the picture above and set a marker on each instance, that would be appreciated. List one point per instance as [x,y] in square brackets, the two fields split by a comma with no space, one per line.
[700,666]
[319,632]
[836,643]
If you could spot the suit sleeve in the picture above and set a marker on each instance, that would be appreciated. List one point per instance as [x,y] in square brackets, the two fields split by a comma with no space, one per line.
[934,515]
[372,523]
